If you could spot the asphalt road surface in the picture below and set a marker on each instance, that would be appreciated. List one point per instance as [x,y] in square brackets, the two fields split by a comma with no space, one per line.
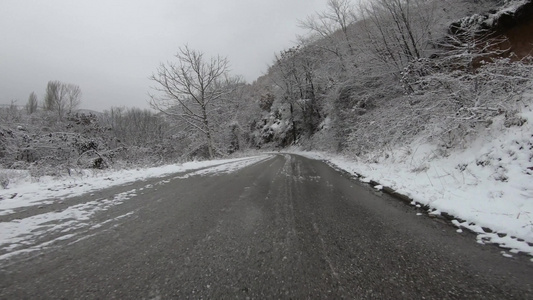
[284,228]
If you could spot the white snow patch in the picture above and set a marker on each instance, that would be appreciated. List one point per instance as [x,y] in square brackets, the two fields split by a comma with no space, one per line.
[505,254]
[27,193]
[30,234]
[226,168]
[20,233]
[488,184]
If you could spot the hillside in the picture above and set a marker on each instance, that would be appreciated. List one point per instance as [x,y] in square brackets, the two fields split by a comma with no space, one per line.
[450,129]
[377,101]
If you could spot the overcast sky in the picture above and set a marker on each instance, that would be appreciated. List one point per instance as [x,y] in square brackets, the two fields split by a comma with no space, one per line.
[110,47]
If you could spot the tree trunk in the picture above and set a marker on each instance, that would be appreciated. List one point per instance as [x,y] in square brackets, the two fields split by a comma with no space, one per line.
[293,125]
[208,134]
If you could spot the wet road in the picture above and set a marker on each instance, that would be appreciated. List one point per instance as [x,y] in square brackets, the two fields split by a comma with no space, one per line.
[284,228]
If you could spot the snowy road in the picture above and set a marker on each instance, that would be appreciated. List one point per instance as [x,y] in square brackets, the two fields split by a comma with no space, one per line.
[279,226]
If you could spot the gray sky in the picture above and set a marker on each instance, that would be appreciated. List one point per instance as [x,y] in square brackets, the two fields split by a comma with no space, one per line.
[110,47]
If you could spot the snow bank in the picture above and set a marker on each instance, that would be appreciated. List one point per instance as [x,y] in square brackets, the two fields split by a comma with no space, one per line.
[23,192]
[43,229]
[488,187]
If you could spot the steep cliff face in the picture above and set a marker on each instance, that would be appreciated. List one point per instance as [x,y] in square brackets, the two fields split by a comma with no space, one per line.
[512,20]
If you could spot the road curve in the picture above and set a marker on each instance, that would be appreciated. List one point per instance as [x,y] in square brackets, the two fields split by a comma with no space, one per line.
[284,228]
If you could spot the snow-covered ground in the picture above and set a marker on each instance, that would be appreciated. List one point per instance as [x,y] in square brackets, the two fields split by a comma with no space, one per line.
[487,185]
[28,192]
[42,227]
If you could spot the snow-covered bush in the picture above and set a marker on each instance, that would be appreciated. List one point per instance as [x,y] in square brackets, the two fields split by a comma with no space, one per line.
[459,102]
[8,177]
[4,180]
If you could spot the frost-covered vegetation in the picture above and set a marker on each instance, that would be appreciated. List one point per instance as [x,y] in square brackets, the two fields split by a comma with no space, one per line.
[46,145]
[377,76]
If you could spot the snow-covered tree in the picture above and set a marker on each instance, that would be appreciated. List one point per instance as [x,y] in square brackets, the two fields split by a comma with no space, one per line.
[61,98]
[398,31]
[191,90]
[32,104]
[331,30]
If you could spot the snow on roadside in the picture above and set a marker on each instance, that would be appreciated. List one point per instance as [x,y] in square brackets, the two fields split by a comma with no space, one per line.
[26,193]
[33,233]
[488,186]
[226,168]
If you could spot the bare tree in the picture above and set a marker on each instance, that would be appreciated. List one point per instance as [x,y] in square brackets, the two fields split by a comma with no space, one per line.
[32,104]
[398,31]
[61,97]
[134,126]
[52,94]
[332,25]
[191,89]
[10,114]
[73,97]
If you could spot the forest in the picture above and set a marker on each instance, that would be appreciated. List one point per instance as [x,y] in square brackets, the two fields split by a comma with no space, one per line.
[367,77]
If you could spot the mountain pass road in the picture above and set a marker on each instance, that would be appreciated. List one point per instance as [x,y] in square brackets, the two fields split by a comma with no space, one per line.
[284,227]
